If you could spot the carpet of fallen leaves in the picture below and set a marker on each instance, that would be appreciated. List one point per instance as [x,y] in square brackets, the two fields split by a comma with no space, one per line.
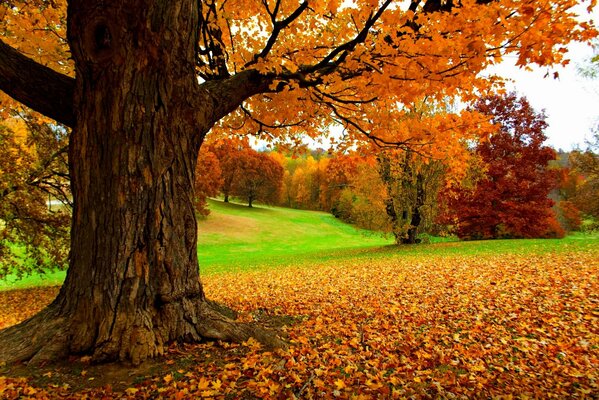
[452,327]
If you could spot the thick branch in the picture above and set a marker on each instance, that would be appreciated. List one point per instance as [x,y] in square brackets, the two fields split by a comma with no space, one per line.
[228,94]
[36,86]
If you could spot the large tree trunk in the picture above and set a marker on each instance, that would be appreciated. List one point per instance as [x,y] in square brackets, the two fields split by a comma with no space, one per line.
[133,281]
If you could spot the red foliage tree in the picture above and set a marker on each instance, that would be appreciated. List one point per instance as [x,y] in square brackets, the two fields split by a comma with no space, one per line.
[259,177]
[228,152]
[208,180]
[511,200]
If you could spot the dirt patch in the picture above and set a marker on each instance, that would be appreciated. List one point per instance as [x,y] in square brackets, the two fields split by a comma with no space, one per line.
[230,226]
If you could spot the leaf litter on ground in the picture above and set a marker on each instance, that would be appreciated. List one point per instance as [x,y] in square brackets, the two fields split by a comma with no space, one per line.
[492,326]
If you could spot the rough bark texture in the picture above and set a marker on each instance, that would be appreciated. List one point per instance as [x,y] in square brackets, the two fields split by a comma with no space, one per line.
[412,235]
[384,169]
[133,281]
[415,198]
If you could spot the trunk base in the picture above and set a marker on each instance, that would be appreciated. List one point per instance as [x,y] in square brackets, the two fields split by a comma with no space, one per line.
[47,337]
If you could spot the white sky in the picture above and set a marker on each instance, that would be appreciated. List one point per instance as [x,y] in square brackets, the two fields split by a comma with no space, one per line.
[571,102]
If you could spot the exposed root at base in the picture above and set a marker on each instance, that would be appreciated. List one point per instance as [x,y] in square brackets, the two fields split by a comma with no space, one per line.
[37,340]
[215,325]
[45,336]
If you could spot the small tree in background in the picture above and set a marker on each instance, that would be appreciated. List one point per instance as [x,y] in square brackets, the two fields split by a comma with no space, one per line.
[511,200]
[412,183]
[33,177]
[228,152]
[586,164]
[258,178]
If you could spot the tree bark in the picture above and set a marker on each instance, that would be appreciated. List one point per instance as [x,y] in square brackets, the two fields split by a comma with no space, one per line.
[412,235]
[133,281]
[384,170]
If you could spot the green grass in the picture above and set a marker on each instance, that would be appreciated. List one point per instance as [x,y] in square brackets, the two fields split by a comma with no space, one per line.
[235,238]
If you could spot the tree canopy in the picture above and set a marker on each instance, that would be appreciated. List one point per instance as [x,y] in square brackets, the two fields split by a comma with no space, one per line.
[300,65]
[511,199]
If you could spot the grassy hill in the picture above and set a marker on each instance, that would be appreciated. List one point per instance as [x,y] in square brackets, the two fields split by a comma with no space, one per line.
[235,236]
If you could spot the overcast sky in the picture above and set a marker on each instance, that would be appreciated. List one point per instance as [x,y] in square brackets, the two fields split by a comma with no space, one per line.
[570,102]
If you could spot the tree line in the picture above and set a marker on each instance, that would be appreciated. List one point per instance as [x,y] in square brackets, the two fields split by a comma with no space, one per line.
[514,186]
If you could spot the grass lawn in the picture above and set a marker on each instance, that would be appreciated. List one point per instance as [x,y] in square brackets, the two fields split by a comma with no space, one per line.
[236,238]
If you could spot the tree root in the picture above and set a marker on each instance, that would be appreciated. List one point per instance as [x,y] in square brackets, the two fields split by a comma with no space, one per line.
[45,336]
[214,325]
[39,339]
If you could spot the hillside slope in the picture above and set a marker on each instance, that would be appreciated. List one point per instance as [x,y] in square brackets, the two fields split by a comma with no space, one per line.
[236,236]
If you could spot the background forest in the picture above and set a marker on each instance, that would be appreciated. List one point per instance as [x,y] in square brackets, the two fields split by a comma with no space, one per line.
[514,186]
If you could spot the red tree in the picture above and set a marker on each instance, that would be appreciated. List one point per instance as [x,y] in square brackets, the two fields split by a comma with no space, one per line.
[259,178]
[511,200]
[208,180]
[228,153]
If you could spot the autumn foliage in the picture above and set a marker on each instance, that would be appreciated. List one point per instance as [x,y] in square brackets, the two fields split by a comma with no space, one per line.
[208,180]
[258,178]
[34,196]
[144,82]
[232,168]
[586,165]
[511,199]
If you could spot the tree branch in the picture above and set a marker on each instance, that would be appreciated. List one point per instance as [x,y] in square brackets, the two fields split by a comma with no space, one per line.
[278,26]
[36,86]
[228,94]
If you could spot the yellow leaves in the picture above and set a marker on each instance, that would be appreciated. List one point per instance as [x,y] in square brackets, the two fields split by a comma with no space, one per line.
[339,384]
[131,391]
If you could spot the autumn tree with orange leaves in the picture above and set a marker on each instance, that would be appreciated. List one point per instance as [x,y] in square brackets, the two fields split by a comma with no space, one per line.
[586,165]
[142,82]
[208,180]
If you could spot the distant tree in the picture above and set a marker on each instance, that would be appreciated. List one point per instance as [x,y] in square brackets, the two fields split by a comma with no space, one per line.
[413,183]
[258,178]
[208,180]
[228,152]
[511,200]
[586,164]
[339,173]
[33,178]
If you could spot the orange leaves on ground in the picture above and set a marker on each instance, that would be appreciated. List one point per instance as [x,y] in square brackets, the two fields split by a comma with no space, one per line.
[401,326]
[18,305]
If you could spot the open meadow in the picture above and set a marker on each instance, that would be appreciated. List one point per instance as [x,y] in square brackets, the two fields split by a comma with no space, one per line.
[363,319]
